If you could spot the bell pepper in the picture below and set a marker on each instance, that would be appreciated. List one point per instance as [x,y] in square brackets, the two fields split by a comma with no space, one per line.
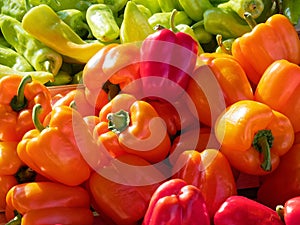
[122,190]
[253,137]
[59,155]
[274,190]
[210,171]
[290,211]
[6,183]
[137,127]
[9,159]
[176,202]
[282,43]
[133,18]
[167,60]
[50,203]
[240,210]
[278,88]
[109,64]
[57,35]
[225,74]
[18,95]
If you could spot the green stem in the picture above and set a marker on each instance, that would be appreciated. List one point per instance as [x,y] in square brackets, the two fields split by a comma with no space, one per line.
[221,45]
[172,21]
[262,142]
[280,211]
[119,121]
[16,220]
[19,101]
[250,20]
[35,117]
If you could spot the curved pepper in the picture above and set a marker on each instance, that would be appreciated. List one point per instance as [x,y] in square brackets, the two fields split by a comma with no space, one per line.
[282,43]
[167,60]
[253,136]
[239,210]
[138,127]
[18,95]
[56,34]
[290,211]
[175,202]
[210,171]
[279,88]
[274,190]
[54,203]
[58,153]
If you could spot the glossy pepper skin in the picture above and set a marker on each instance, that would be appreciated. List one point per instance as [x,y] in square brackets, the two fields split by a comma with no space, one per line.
[290,211]
[9,159]
[278,88]
[274,190]
[175,202]
[239,210]
[195,9]
[253,137]
[50,203]
[122,190]
[137,128]
[57,35]
[210,171]
[18,95]
[167,60]
[282,43]
[6,183]
[57,138]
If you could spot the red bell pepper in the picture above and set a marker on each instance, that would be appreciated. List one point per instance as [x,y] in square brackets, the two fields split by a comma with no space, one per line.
[290,211]
[239,210]
[176,203]
[167,60]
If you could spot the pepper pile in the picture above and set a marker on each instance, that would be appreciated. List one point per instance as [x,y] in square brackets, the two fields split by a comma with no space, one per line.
[160,131]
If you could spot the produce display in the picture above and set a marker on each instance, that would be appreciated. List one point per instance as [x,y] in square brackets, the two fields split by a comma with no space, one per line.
[149,112]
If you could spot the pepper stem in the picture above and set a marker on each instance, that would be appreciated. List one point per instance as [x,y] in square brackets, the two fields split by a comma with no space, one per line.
[119,121]
[16,220]
[262,142]
[35,117]
[250,20]
[172,20]
[19,101]
[280,211]
[221,45]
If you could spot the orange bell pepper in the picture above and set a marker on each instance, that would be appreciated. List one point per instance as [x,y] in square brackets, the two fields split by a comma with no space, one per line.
[52,150]
[6,183]
[18,95]
[9,159]
[210,171]
[253,137]
[122,190]
[228,75]
[135,127]
[115,63]
[50,203]
[279,88]
[275,39]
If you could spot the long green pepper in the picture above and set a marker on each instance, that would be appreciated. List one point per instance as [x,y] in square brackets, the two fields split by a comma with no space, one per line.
[195,9]
[163,19]
[41,57]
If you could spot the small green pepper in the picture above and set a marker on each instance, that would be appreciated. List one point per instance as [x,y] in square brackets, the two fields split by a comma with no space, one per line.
[14,60]
[135,25]
[169,5]
[76,20]
[224,46]
[114,5]
[14,8]
[163,19]
[62,78]
[102,23]
[195,9]
[291,9]
[224,22]
[58,5]
[144,10]
[201,34]
[40,56]
[150,4]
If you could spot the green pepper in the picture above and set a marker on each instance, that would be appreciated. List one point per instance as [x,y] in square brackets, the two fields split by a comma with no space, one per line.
[224,46]
[41,76]
[3,42]
[201,34]
[150,4]
[195,9]
[103,25]
[291,9]
[254,7]
[135,25]
[62,78]
[58,5]
[163,19]
[14,8]
[77,21]
[13,59]
[169,5]
[40,56]
[224,22]
[270,8]
[144,10]
[114,5]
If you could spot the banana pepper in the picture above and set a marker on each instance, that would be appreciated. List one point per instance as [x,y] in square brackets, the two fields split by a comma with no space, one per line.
[18,95]
[136,127]
[176,202]
[58,153]
[53,32]
[253,136]
[50,203]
